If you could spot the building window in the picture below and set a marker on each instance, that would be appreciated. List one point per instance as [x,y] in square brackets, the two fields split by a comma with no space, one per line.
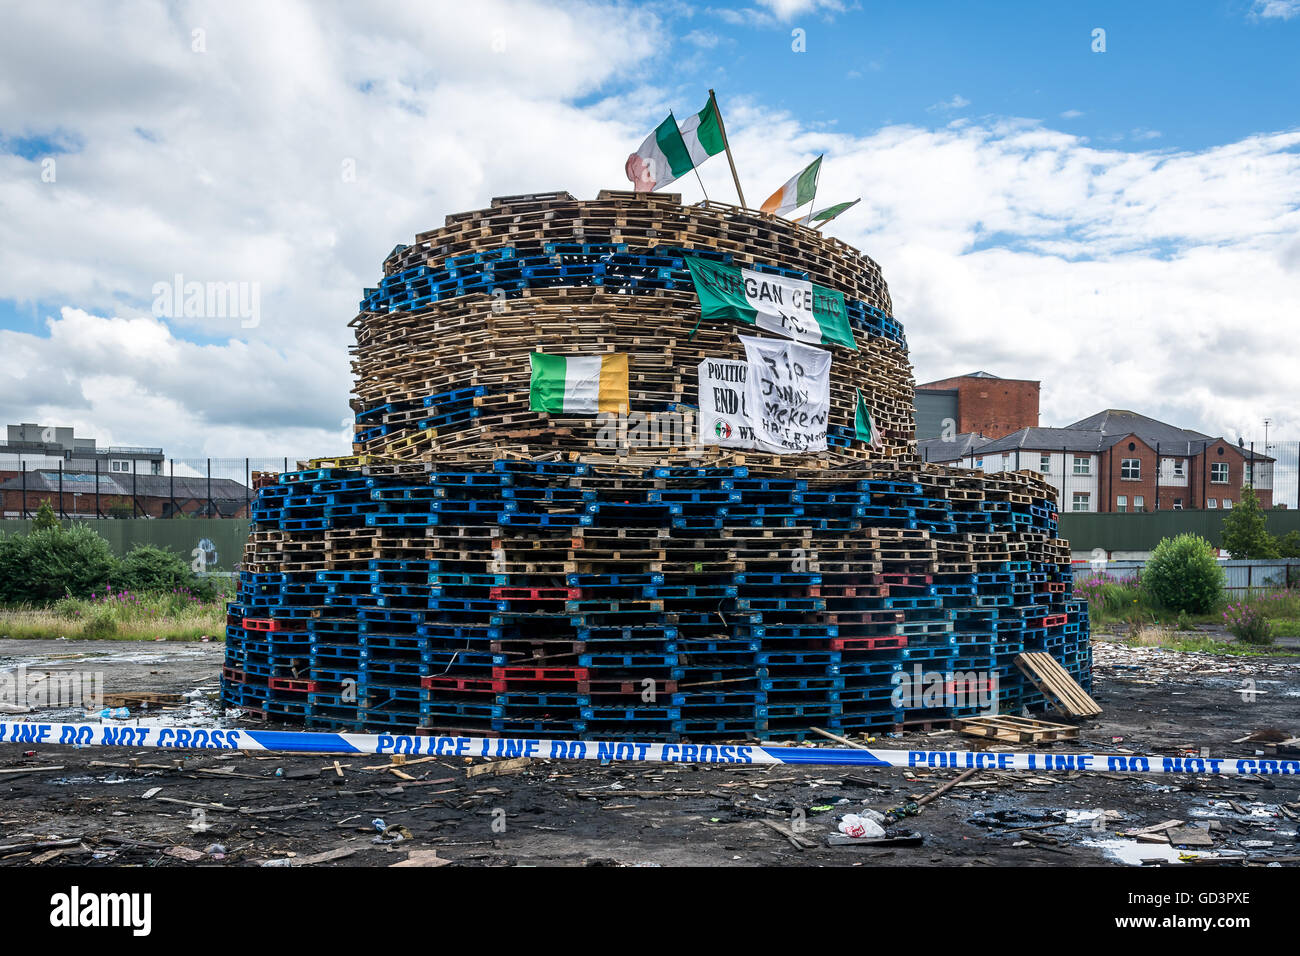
[1121,503]
[1139,502]
[1080,502]
[1227,502]
[1045,464]
[979,462]
[1178,504]
[1212,503]
[1130,469]
[1179,468]
[119,465]
[1219,472]
[1082,465]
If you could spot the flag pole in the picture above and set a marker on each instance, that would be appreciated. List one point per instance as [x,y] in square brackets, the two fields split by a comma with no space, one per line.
[695,169]
[722,128]
[812,205]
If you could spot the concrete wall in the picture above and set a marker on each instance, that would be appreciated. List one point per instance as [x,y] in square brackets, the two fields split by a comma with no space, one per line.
[181,535]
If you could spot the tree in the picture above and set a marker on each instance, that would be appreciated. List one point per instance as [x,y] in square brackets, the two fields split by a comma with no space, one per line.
[1183,575]
[1244,532]
[45,520]
[1288,546]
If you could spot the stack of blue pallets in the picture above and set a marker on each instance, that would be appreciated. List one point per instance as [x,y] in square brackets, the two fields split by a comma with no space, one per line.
[553,599]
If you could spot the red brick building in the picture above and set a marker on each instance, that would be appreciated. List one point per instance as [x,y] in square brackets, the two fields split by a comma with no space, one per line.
[985,404]
[1121,461]
[85,494]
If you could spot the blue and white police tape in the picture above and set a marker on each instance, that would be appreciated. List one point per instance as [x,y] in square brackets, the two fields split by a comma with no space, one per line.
[302,742]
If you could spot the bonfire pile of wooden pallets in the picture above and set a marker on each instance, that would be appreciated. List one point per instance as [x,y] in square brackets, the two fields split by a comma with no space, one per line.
[478,567]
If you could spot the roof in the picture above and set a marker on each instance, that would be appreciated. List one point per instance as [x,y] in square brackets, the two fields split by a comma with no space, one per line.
[146,486]
[951,449]
[1105,429]
[1048,439]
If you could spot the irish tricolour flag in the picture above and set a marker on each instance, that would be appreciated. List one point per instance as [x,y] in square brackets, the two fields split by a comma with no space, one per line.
[673,150]
[798,191]
[578,384]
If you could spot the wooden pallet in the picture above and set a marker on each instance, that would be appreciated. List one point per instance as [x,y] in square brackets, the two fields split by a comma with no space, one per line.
[1015,730]
[1055,683]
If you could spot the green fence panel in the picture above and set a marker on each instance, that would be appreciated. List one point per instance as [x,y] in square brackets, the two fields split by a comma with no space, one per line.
[1142,531]
[221,540]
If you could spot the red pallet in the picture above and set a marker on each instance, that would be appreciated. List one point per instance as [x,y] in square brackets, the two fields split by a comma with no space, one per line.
[848,591]
[1057,587]
[969,686]
[540,673]
[1053,620]
[902,579]
[534,594]
[868,643]
[468,685]
[289,683]
[233,674]
[268,624]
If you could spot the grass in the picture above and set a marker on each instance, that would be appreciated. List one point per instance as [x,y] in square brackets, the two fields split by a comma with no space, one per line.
[1156,636]
[177,615]
[1128,604]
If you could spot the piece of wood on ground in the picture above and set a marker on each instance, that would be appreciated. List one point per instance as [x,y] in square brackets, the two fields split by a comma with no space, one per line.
[1016,730]
[325,857]
[499,767]
[422,858]
[1056,684]
[796,840]
[1190,836]
[838,739]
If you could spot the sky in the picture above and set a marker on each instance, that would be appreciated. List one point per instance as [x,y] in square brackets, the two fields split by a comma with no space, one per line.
[1101,196]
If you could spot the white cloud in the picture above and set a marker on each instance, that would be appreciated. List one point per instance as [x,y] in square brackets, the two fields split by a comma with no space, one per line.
[1279,9]
[1071,114]
[789,9]
[956,103]
[1163,281]
[704,39]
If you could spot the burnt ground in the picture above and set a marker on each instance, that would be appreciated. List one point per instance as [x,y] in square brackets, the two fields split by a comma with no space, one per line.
[105,807]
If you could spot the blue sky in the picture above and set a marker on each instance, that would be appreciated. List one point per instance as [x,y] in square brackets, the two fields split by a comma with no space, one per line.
[1122,225]
[1196,73]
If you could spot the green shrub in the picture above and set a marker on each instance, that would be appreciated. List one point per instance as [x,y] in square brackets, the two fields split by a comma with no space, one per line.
[100,624]
[45,565]
[1247,623]
[147,568]
[1183,575]
[45,519]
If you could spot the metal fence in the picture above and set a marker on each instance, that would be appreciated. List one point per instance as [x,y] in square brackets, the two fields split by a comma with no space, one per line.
[1132,480]
[1240,577]
[174,488]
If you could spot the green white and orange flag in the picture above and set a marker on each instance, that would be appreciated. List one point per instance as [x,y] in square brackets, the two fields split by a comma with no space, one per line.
[577,384]
[673,150]
[827,214]
[797,192]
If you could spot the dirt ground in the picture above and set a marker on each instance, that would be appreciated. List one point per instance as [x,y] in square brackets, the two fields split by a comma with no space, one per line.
[105,807]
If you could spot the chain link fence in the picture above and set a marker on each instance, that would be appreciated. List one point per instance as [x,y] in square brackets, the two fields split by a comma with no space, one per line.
[140,488]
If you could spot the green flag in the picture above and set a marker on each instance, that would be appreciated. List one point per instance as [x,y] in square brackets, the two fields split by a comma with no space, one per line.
[827,214]
[794,308]
[864,426]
